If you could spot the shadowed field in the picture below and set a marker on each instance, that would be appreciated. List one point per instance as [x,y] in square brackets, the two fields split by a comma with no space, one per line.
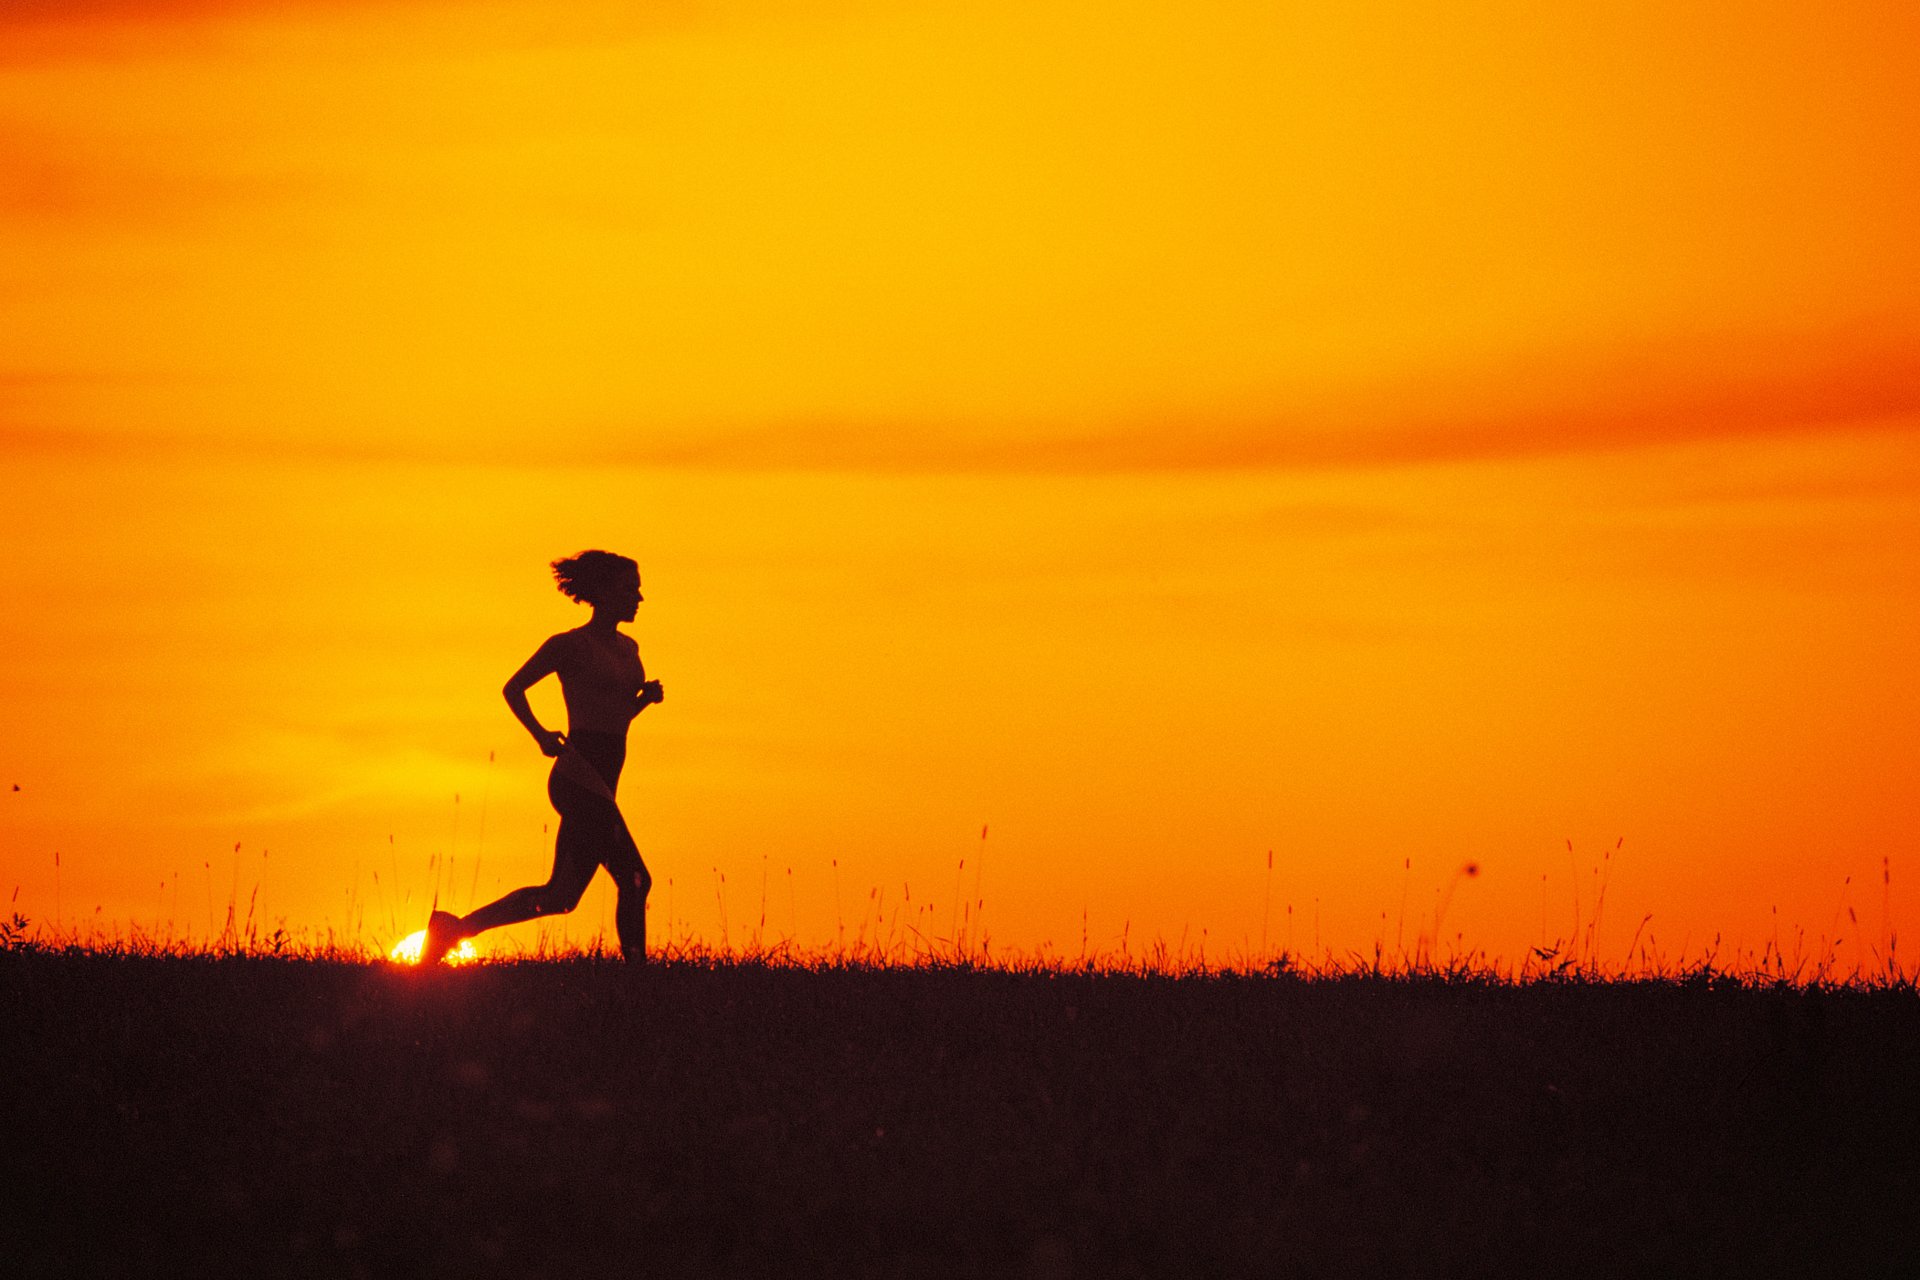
[578,1117]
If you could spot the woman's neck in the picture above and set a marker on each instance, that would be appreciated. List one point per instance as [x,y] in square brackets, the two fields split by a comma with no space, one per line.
[602,624]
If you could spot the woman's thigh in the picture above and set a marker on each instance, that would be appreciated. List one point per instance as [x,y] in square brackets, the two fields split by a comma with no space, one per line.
[592,834]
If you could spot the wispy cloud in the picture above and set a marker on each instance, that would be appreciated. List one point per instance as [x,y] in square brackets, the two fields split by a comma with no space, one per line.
[1575,401]
[64,13]
[1745,389]
[65,185]
[66,30]
[418,230]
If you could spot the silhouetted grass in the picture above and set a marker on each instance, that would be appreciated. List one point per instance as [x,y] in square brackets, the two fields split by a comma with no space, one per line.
[707,1116]
[900,932]
[1558,962]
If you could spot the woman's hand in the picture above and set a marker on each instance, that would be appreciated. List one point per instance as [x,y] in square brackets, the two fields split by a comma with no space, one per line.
[552,743]
[650,693]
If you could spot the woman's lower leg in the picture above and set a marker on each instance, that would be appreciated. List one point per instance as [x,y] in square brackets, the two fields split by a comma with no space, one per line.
[630,916]
[521,904]
[573,867]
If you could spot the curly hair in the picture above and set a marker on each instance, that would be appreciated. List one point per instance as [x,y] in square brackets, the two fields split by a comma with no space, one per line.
[587,576]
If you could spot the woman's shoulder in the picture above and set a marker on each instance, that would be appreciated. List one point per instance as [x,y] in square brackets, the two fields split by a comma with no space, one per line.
[563,644]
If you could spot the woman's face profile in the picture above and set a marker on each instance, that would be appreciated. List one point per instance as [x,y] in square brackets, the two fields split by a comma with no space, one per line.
[623,597]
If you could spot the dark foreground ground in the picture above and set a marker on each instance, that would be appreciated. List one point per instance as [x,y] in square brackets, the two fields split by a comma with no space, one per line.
[253,1116]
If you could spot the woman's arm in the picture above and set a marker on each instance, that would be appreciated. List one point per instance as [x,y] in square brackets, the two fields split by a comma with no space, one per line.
[544,662]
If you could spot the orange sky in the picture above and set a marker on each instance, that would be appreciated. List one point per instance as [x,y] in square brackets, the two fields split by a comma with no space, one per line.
[1161,435]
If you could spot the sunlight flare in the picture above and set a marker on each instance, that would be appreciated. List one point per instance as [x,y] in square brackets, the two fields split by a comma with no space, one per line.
[407,950]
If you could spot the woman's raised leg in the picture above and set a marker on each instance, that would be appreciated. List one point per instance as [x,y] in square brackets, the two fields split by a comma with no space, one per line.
[573,867]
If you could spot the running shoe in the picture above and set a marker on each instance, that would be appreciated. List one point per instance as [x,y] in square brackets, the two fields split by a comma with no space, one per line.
[443,935]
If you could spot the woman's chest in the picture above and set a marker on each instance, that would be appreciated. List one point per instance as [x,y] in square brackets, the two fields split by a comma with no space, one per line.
[606,664]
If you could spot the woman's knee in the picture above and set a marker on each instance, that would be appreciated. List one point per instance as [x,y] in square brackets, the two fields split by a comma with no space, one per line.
[633,880]
[556,898]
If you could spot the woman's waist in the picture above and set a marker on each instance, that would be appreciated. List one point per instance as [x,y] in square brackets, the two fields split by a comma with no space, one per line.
[585,729]
[597,743]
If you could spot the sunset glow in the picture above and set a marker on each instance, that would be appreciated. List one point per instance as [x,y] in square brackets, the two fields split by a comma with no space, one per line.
[408,949]
[1119,472]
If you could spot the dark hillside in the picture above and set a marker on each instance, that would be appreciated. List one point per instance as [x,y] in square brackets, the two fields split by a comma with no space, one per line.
[168,1115]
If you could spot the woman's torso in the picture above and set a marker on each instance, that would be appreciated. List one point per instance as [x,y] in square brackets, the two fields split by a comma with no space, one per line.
[600,678]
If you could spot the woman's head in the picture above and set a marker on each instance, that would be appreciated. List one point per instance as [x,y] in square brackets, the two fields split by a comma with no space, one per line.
[599,578]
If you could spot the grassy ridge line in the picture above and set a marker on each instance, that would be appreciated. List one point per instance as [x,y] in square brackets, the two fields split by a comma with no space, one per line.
[1771,967]
[715,1119]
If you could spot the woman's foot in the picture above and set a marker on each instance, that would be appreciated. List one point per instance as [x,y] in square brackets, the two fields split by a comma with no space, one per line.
[443,935]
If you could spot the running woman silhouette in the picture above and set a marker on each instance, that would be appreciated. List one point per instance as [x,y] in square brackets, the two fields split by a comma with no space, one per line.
[605,687]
